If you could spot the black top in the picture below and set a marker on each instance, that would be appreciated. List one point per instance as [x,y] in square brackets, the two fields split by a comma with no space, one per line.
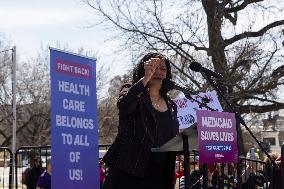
[159,173]
[163,135]
[163,128]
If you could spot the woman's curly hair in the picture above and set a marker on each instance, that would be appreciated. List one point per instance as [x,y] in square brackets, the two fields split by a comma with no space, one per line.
[139,71]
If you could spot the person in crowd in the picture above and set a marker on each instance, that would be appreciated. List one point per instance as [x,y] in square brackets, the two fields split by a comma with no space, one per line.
[147,119]
[44,181]
[226,179]
[195,180]
[33,173]
[272,176]
[252,174]
[278,161]
[179,171]
[194,162]
[102,170]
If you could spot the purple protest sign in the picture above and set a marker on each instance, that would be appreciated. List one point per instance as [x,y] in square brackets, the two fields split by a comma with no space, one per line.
[74,124]
[217,137]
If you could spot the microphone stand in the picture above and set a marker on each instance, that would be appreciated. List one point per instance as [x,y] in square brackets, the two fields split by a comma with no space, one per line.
[185,142]
[185,136]
[239,118]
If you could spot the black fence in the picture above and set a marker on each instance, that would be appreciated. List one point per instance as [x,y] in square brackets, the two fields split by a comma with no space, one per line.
[25,156]
[5,167]
[246,174]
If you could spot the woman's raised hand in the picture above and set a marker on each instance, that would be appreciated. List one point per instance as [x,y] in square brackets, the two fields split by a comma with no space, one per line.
[150,68]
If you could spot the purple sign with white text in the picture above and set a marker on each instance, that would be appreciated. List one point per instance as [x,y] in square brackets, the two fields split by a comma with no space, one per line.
[74,124]
[217,137]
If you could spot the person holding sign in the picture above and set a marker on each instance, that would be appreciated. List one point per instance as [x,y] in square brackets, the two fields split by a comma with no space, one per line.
[44,181]
[147,119]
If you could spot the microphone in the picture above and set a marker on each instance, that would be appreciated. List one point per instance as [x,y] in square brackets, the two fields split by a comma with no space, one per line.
[169,85]
[195,66]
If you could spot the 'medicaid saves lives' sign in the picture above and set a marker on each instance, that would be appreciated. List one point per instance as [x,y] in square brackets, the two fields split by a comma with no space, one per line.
[217,137]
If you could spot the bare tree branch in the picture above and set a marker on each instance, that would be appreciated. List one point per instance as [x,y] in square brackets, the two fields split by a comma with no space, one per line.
[260,74]
[253,34]
[260,108]
[232,19]
[7,140]
[193,45]
[278,72]
[241,6]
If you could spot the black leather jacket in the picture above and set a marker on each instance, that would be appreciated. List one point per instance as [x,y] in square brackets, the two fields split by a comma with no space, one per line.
[131,149]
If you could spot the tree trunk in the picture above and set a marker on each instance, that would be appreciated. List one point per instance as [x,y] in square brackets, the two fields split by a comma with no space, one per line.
[215,13]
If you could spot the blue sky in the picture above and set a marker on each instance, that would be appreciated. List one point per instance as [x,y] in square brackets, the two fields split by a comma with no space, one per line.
[30,23]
